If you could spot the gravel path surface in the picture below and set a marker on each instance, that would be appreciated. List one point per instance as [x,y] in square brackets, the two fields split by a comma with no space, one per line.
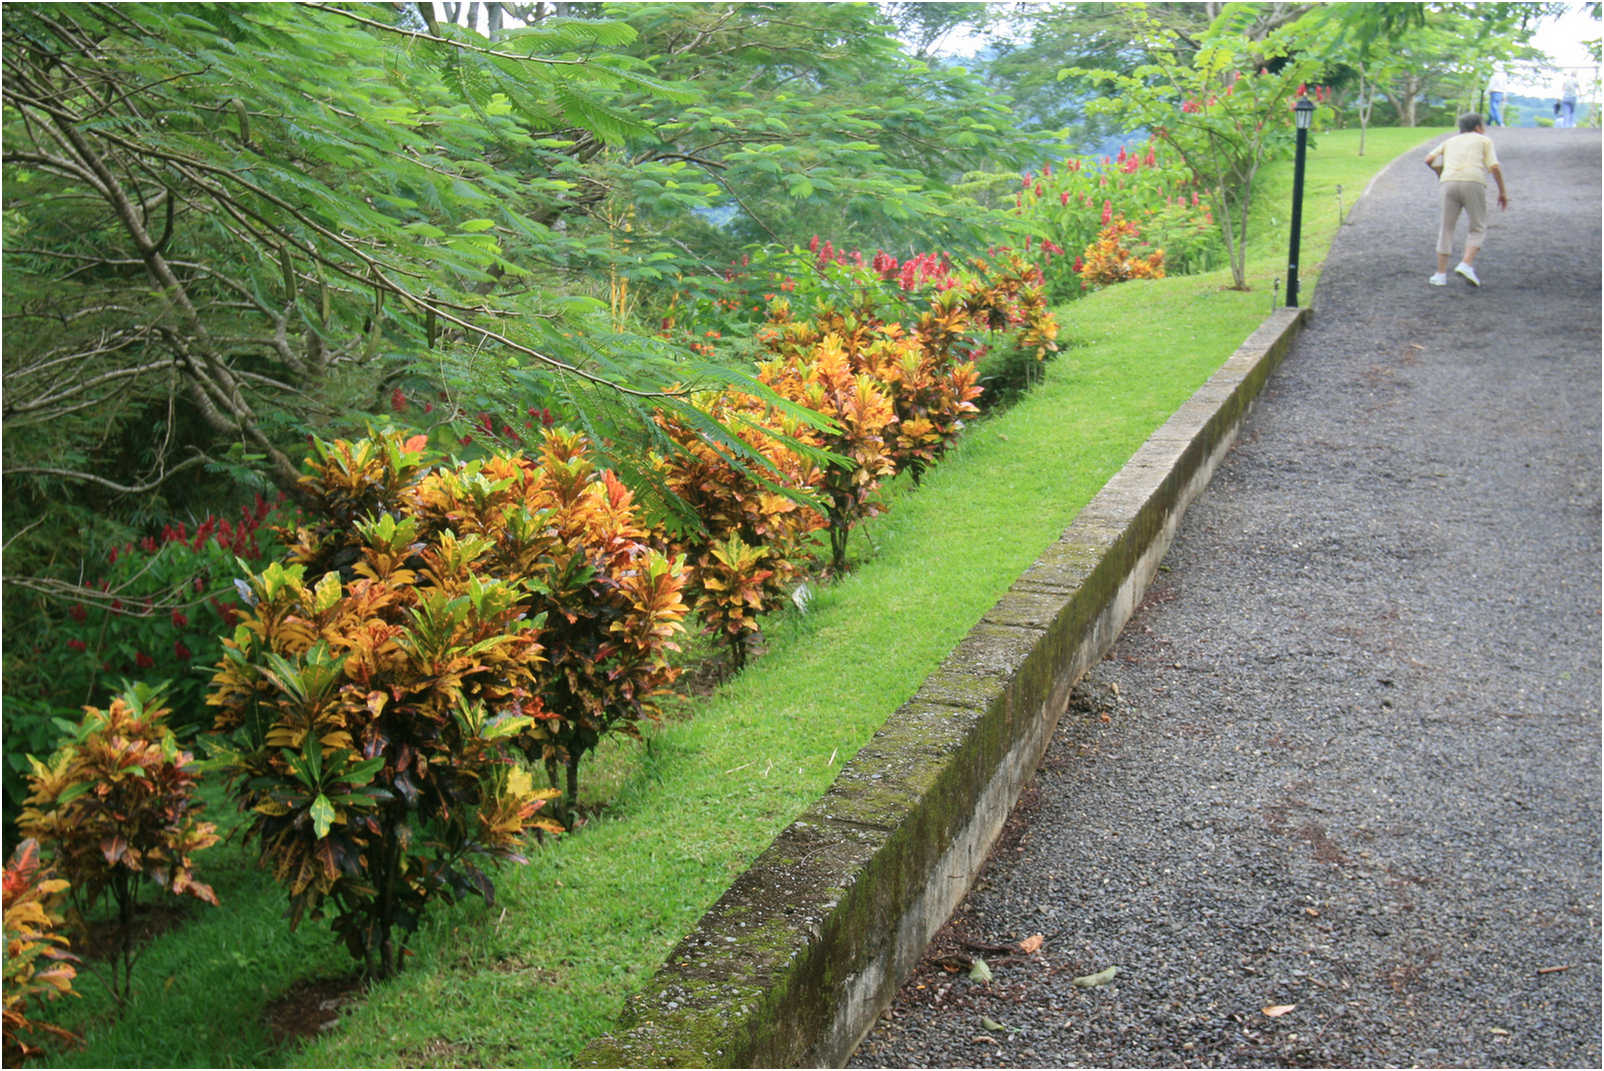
[1343,764]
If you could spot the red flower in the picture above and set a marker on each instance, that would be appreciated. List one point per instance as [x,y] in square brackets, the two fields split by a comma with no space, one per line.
[180,652]
[398,401]
[143,660]
[179,620]
[78,612]
[1063,198]
[76,645]
[1108,210]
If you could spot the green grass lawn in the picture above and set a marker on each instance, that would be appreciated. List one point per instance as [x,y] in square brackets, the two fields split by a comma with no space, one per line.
[532,979]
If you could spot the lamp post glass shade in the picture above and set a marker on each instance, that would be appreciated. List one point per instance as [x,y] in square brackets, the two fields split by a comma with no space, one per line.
[1302,114]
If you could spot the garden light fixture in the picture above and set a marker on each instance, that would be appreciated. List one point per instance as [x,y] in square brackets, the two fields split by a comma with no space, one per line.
[1302,114]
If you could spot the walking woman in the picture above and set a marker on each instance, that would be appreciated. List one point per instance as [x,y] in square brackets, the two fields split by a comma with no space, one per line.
[1462,164]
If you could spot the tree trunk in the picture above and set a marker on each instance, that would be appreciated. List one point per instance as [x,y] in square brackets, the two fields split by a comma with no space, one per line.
[571,797]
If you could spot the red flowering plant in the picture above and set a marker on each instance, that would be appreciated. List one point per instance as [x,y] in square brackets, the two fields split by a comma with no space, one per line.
[152,607]
[1065,207]
[818,276]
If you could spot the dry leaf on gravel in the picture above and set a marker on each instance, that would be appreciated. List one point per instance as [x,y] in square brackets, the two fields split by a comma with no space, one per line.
[1102,977]
[1277,1010]
[1032,944]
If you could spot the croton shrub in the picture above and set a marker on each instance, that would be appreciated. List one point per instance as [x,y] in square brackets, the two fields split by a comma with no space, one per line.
[751,502]
[38,966]
[438,623]
[115,810]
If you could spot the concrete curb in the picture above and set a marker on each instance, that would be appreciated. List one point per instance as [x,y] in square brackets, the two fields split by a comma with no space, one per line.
[795,962]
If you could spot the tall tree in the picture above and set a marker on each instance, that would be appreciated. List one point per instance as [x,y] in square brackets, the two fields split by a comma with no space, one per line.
[1031,46]
[812,118]
[1220,106]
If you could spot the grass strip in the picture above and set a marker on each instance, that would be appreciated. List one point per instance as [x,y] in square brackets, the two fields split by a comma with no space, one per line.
[531,980]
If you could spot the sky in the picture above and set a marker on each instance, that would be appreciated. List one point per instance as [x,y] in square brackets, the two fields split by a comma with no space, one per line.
[1562,39]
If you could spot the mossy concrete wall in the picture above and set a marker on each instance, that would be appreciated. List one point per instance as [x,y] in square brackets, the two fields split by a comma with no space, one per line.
[795,962]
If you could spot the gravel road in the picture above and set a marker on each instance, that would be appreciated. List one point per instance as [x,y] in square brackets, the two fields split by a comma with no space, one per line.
[1334,797]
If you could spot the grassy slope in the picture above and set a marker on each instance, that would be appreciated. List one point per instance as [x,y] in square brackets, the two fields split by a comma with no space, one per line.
[531,980]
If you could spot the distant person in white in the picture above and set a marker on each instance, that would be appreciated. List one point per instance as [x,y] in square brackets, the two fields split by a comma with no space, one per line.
[1462,164]
[1567,102]
[1496,88]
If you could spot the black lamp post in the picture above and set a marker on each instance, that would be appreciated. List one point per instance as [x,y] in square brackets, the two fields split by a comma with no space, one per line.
[1303,112]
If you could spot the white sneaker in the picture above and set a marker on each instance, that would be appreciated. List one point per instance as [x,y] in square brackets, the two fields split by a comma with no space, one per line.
[1440,279]
[1467,273]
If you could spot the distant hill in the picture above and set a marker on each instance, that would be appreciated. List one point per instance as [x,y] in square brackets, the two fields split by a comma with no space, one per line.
[1525,111]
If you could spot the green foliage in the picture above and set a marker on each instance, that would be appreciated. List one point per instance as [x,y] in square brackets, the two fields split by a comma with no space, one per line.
[114,806]
[38,967]
[812,119]
[1031,48]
